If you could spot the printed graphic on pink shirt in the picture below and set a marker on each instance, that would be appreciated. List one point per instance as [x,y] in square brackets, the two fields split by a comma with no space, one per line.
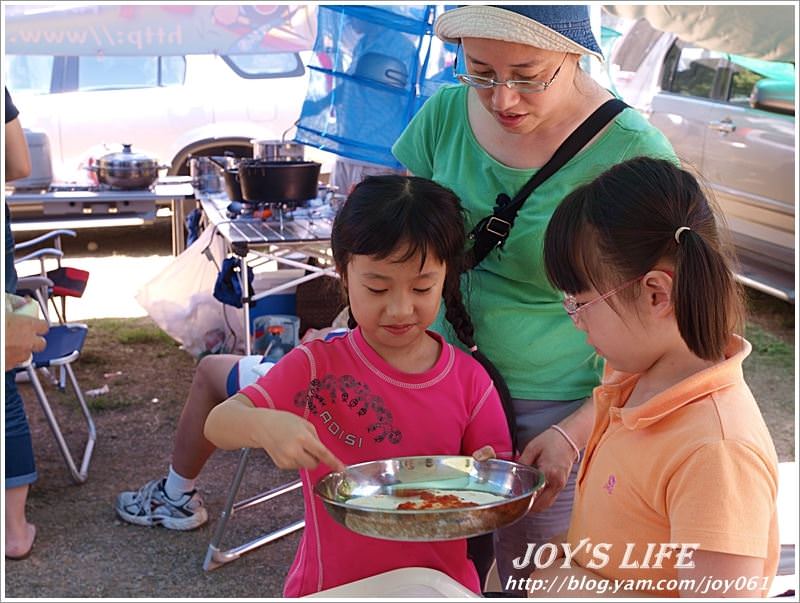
[340,401]
[612,481]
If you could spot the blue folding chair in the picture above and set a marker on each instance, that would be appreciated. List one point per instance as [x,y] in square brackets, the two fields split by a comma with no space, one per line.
[64,345]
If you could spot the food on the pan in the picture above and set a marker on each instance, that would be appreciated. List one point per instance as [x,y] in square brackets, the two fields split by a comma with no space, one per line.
[425,500]
[436,501]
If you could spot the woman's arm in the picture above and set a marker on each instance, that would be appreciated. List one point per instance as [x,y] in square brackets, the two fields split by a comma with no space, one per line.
[291,441]
[552,454]
[22,337]
[18,160]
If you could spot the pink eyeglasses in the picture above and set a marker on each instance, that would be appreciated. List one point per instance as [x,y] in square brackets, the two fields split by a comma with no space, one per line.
[572,306]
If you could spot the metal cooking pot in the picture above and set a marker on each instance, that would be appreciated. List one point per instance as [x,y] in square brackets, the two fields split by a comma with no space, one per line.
[278,150]
[278,181]
[205,174]
[126,169]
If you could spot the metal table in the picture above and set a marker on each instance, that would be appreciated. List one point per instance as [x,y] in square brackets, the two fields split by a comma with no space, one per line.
[101,207]
[289,241]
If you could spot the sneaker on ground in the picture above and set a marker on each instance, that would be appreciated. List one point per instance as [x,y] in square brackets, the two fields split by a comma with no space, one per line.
[150,506]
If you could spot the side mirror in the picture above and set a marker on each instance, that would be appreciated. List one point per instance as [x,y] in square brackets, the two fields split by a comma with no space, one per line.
[773,95]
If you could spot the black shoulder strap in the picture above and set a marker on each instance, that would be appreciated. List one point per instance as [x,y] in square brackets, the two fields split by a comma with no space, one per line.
[493,230]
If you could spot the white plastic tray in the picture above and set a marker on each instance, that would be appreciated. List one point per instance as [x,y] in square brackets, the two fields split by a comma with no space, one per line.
[405,582]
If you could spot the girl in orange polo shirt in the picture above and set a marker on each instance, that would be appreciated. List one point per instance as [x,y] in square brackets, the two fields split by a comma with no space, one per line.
[676,494]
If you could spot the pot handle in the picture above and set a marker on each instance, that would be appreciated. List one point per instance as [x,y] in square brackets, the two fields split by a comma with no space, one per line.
[286,131]
[219,161]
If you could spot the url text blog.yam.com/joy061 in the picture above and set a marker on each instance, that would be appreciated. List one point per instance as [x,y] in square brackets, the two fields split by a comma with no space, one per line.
[653,556]
[621,586]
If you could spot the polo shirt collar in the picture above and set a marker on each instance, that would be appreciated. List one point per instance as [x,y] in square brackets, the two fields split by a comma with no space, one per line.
[618,386]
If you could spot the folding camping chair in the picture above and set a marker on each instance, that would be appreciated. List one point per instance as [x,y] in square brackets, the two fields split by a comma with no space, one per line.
[53,280]
[64,345]
[65,281]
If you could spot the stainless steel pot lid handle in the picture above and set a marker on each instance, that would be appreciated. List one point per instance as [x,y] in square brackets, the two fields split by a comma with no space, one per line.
[294,125]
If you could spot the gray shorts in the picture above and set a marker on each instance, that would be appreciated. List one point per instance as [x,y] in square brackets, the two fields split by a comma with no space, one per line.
[533,417]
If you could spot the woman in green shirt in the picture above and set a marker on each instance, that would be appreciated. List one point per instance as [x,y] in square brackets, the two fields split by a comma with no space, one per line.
[524,95]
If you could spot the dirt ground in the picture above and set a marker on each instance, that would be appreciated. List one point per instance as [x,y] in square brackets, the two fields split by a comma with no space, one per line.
[83,550]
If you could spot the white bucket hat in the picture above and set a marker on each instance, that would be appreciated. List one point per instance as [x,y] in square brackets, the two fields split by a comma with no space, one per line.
[561,28]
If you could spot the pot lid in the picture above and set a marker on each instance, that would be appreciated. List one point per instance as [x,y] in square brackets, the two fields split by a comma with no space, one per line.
[126,158]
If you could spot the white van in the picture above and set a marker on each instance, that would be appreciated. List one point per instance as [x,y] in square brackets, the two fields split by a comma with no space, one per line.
[168,107]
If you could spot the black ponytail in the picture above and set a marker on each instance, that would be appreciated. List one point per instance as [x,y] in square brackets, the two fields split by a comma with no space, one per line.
[705,294]
[639,215]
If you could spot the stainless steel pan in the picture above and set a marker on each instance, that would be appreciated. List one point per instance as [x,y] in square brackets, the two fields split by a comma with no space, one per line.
[126,169]
[514,487]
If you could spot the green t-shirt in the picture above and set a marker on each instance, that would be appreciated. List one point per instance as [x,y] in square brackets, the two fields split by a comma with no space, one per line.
[520,323]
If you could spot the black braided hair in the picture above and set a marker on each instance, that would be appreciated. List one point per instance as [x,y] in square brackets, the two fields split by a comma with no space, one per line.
[457,315]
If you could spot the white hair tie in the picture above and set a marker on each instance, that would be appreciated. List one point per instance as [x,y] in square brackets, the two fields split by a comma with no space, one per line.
[678,233]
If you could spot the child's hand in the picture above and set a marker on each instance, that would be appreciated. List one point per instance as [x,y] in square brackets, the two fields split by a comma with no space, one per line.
[484,454]
[292,442]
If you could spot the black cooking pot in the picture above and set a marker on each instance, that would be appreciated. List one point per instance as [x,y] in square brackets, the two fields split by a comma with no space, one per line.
[278,181]
[233,188]
[230,173]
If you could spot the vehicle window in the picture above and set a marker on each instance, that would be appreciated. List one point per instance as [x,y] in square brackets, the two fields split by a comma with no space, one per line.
[742,82]
[262,66]
[746,72]
[107,73]
[29,73]
[692,71]
[173,71]
[113,73]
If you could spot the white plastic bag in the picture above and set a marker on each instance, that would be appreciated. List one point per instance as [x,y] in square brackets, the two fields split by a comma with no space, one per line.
[180,300]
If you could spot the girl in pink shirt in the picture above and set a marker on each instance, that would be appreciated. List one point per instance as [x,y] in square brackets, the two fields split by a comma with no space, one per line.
[676,494]
[388,388]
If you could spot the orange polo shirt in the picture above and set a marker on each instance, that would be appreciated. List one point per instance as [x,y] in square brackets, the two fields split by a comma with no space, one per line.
[694,464]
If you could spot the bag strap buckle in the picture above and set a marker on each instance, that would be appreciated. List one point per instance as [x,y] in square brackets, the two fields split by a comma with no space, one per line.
[498,227]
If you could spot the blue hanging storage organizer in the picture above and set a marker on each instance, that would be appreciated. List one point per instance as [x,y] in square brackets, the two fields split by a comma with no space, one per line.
[372,70]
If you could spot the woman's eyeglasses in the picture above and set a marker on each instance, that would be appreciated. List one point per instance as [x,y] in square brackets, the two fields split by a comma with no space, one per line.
[573,307]
[521,86]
